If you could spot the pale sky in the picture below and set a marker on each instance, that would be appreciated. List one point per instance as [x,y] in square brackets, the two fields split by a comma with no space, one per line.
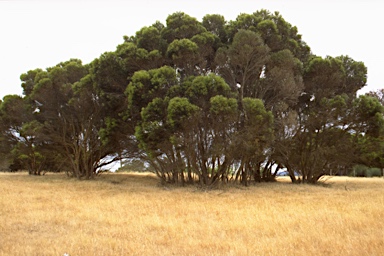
[40,34]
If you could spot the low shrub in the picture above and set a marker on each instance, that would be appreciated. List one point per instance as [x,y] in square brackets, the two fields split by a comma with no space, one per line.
[365,171]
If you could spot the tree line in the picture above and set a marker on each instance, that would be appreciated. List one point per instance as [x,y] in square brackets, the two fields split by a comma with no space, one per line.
[201,102]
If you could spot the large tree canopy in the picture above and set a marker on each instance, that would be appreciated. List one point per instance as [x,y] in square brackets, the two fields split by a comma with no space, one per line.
[202,102]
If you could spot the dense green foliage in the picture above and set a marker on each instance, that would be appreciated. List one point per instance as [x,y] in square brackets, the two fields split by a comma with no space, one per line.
[200,102]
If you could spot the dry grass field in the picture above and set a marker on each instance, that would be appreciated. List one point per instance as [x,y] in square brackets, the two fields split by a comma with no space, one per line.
[132,214]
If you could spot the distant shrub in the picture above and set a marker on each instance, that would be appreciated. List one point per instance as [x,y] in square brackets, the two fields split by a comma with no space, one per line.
[135,165]
[365,171]
[374,172]
[358,171]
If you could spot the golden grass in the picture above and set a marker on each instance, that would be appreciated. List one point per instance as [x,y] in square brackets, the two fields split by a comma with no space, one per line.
[131,214]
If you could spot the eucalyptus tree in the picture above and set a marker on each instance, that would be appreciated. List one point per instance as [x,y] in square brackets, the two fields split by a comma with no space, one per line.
[181,50]
[249,66]
[180,25]
[205,101]
[242,63]
[83,135]
[188,128]
[370,142]
[209,138]
[150,38]
[216,25]
[108,79]
[326,118]
[378,94]
[275,32]
[48,95]
[19,143]
[75,115]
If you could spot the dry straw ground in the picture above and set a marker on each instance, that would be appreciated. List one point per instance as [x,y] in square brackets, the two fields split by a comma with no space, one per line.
[131,214]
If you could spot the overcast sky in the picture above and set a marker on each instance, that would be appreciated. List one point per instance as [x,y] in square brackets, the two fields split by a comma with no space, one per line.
[40,34]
